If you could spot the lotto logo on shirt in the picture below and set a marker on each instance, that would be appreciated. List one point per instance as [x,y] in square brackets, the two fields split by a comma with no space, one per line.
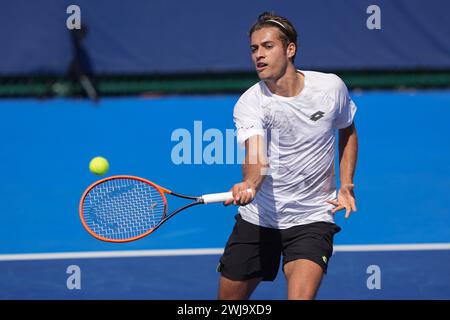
[316,116]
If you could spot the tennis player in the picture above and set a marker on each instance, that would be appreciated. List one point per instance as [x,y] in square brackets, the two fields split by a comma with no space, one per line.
[288,123]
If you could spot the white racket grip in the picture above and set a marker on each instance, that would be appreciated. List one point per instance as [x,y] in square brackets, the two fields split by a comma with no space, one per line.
[220,197]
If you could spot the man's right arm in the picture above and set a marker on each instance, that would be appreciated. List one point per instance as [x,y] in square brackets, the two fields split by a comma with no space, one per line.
[253,170]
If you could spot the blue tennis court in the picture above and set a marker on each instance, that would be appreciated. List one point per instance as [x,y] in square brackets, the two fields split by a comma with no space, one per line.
[397,246]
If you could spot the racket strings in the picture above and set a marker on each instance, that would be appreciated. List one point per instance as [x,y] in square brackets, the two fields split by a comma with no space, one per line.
[123,208]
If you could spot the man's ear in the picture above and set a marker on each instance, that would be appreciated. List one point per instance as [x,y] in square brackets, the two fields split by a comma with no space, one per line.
[291,50]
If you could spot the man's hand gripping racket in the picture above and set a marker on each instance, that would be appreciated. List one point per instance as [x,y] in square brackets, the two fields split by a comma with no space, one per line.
[127,208]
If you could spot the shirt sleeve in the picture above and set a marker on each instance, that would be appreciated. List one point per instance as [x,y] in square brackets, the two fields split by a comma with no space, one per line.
[346,108]
[248,120]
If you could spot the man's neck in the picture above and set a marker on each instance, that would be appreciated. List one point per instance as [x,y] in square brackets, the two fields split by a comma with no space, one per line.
[289,85]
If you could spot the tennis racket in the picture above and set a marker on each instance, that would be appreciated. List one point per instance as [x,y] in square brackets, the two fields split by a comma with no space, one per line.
[127,208]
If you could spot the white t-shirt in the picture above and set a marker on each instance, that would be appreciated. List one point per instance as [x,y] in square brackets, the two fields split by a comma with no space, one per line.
[300,133]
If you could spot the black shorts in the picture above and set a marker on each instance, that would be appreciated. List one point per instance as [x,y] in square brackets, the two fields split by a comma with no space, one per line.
[253,251]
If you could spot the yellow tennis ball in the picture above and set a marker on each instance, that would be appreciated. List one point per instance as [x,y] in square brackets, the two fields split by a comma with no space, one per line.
[99,166]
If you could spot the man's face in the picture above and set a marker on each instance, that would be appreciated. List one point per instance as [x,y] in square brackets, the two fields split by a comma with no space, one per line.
[268,53]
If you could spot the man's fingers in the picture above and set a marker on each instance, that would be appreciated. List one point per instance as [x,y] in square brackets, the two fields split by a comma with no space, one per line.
[228,202]
[250,194]
[236,194]
[333,202]
[245,196]
[353,206]
[242,195]
[347,212]
[338,208]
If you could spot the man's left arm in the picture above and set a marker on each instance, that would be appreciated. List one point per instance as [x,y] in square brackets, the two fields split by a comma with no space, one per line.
[348,152]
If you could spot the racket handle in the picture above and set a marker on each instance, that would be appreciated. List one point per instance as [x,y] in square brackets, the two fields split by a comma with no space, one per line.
[219,197]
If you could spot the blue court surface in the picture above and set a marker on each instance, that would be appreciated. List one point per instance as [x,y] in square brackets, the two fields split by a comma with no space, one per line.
[397,246]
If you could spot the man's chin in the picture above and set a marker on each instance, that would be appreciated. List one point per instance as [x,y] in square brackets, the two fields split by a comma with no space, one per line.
[263,75]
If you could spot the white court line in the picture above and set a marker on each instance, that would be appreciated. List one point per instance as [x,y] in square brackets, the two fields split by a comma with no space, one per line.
[210,251]
[392,247]
[109,254]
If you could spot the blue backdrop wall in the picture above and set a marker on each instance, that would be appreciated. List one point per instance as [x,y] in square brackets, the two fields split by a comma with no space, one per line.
[141,36]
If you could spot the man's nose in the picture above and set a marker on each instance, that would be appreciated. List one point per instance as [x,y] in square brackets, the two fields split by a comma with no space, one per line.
[259,54]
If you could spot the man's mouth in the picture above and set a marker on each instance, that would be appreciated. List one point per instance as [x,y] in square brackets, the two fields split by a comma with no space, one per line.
[260,66]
